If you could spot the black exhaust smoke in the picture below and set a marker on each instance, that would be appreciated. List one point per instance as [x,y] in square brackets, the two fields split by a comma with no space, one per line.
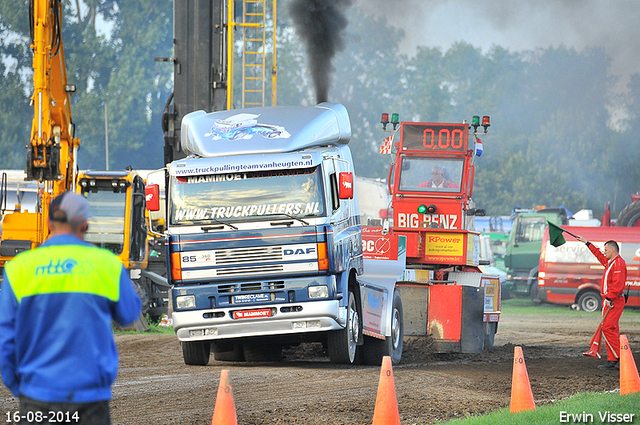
[320,24]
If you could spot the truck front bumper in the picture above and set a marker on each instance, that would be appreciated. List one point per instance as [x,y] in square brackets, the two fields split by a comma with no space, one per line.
[316,316]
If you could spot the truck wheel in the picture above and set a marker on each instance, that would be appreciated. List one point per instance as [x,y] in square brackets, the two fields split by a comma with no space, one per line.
[144,297]
[196,353]
[342,344]
[629,216]
[375,349]
[227,352]
[255,352]
[504,291]
[533,292]
[590,301]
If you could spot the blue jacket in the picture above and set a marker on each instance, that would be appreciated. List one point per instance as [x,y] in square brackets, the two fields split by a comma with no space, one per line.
[56,307]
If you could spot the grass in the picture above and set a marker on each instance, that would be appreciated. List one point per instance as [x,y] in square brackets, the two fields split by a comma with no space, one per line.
[523,307]
[154,328]
[594,404]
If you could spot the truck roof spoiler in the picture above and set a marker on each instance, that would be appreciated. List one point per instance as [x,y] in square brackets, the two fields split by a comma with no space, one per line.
[278,129]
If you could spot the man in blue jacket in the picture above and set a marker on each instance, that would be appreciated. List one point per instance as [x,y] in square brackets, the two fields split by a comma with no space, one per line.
[57,352]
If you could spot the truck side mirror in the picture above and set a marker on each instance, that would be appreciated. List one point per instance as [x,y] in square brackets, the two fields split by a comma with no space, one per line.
[345,185]
[152,196]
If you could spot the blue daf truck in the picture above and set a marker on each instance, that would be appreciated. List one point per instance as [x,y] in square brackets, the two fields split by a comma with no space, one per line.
[264,241]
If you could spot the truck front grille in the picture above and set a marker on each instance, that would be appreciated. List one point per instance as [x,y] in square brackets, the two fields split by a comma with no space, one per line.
[266,268]
[257,262]
[238,256]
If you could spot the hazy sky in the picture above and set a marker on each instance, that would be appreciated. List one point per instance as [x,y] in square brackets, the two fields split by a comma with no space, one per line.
[520,25]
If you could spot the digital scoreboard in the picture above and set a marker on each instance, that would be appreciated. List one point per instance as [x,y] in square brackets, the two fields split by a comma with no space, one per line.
[435,138]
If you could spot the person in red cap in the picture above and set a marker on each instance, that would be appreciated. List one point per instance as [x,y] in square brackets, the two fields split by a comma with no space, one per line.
[57,352]
[611,291]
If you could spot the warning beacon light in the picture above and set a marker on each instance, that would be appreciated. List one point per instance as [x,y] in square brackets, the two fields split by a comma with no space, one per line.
[384,120]
[485,123]
[475,123]
[395,120]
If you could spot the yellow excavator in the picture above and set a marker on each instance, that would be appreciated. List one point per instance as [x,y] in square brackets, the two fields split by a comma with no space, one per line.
[52,151]
[117,198]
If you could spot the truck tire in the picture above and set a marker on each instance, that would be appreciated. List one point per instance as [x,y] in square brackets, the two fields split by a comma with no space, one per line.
[144,297]
[342,344]
[590,301]
[227,352]
[260,352]
[375,349]
[629,216]
[196,353]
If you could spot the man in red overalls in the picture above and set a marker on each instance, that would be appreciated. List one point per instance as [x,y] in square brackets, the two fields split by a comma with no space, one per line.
[613,282]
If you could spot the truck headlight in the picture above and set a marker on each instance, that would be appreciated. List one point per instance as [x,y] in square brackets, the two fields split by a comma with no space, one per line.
[185,301]
[321,291]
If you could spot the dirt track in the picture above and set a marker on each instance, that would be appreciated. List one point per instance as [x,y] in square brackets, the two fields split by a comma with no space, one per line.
[155,387]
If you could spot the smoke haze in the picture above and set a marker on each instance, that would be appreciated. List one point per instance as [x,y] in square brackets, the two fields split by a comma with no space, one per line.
[519,25]
[320,24]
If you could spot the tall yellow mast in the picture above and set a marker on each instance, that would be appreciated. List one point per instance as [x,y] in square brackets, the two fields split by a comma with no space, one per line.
[254,52]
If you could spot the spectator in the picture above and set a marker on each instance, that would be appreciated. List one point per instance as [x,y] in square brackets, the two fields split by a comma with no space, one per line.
[57,352]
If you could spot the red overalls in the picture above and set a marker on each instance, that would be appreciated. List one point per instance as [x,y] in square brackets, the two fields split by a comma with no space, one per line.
[613,282]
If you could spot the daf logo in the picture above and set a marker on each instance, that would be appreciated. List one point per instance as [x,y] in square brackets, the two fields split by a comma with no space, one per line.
[299,251]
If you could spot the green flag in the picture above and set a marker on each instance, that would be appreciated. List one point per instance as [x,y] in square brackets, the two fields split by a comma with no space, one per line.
[555,234]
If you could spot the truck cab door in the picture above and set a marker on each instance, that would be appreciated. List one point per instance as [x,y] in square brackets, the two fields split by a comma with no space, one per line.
[138,232]
[525,242]
[343,213]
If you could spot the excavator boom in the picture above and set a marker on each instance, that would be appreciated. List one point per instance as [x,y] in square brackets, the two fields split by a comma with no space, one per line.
[52,150]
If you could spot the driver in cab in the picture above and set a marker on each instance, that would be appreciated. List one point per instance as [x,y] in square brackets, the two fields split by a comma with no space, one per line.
[438,181]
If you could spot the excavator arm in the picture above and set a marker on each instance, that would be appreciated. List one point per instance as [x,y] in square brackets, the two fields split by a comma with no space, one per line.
[52,151]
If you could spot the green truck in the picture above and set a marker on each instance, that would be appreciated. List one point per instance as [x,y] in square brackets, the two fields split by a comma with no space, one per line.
[522,254]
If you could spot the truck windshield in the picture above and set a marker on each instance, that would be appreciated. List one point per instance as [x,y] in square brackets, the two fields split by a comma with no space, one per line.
[106,224]
[531,229]
[421,174]
[211,199]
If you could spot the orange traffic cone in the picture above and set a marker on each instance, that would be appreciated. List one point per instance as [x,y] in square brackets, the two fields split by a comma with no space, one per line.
[521,395]
[386,411]
[629,379]
[224,412]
